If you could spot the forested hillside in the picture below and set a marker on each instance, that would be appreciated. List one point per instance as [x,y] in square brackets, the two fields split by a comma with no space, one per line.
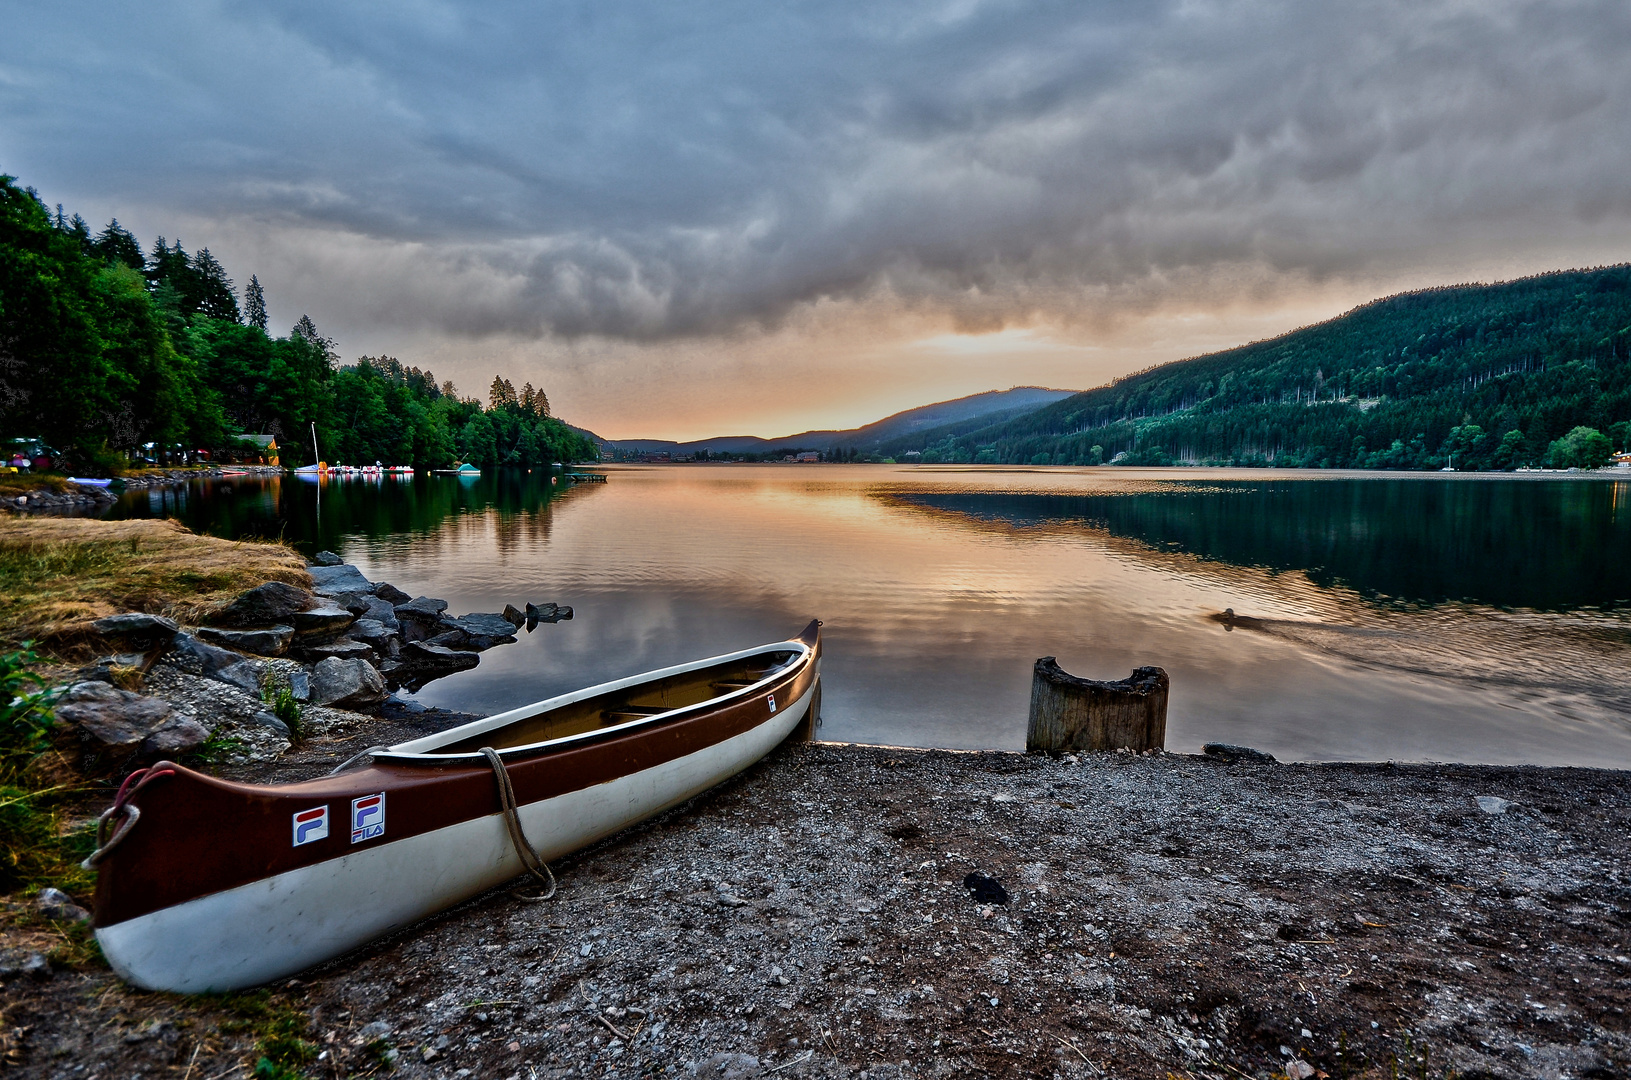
[108,355]
[1529,372]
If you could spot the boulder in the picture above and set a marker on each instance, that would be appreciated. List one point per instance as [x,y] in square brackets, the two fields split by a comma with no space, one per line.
[327,558]
[246,675]
[384,612]
[424,656]
[56,904]
[271,604]
[1230,754]
[514,615]
[420,618]
[346,684]
[391,594]
[355,602]
[269,720]
[333,580]
[265,641]
[481,624]
[198,657]
[319,621]
[345,648]
[372,631]
[113,717]
[176,737]
[135,624]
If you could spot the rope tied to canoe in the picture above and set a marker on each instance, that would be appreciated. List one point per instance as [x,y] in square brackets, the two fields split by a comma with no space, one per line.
[536,866]
[131,813]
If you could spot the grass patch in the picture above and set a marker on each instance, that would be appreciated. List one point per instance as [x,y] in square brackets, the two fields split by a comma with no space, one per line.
[281,1031]
[59,574]
[14,484]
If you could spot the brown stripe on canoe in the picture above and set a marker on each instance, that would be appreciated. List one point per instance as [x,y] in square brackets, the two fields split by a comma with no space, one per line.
[199,835]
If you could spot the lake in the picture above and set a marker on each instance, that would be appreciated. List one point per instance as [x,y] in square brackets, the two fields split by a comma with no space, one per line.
[1381,616]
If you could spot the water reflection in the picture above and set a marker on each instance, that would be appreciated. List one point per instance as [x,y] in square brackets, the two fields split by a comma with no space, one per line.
[940,588]
[1552,546]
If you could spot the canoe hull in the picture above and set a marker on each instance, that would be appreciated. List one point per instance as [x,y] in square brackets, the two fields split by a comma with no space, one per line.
[276,926]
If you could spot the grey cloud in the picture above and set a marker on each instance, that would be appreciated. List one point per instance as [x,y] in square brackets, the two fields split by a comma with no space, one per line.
[648,170]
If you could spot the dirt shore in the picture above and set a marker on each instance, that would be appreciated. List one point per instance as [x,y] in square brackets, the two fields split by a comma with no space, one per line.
[1167,917]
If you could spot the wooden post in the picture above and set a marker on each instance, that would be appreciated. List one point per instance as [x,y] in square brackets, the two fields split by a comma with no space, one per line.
[1069,714]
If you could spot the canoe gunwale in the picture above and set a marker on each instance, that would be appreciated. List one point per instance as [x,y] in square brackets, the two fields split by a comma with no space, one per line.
[401,755]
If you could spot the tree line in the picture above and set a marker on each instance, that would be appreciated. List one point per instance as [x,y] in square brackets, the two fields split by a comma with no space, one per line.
[109,355]
[1535,372]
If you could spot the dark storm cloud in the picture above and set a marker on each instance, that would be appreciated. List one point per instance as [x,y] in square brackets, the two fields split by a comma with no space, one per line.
[648,170]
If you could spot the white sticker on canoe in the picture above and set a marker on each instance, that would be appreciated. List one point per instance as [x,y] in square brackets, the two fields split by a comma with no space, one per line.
[367,817]
[772,702]
[310,825]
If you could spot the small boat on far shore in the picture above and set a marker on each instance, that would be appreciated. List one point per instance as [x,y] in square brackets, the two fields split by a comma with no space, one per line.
[95,482]
[211,885]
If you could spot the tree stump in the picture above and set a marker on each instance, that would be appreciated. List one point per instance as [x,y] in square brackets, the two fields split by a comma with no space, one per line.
[1069,714]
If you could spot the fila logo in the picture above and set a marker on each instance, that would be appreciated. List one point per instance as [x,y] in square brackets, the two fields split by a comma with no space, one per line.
[367,817]
[310,825]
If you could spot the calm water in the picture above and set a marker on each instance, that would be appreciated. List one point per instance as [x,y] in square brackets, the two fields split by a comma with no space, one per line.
[1459,618]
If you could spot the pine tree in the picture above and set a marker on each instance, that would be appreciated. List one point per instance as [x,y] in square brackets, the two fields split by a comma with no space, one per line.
[255,303]
[501,393]
[215,296]
[116,245]
[528,400]
[540,404]
[306,331]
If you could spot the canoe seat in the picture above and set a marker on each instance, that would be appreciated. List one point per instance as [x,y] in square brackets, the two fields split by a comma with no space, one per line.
[633,712]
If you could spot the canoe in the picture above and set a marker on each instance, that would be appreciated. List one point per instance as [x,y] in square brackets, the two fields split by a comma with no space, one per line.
[206,885]
[86,481]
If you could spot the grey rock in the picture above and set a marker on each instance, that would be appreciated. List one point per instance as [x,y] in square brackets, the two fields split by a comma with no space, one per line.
[422,607]
[346,683]
[300,684]
[265,641]
[372,631]
[37,965]
[1493,804]
[1232,754]
[379,1029]
[178,736]
[245,675]
[135,624]
[391,594]
[453,639]
[102,669]
[111,716]
[270,604]
[270,720]
[514,615]
[382,612]
[317,621]
[332,580]
[345,648]
[198,657]
[419,654]
[56,904]
[481,624]
[355,602]
[327,558]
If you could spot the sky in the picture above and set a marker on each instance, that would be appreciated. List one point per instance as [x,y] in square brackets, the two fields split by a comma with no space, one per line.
[685,220]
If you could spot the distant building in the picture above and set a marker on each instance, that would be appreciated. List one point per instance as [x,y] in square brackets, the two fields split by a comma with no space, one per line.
[266,447]
[808,455]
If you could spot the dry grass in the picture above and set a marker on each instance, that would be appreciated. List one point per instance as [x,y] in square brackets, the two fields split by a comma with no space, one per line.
[59,574]
[19,483]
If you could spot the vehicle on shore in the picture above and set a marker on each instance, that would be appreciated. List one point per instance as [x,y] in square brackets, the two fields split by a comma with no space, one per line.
[207,885]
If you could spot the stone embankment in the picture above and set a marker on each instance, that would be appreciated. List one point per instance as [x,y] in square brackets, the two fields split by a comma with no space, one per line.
[844,911]
[276,664]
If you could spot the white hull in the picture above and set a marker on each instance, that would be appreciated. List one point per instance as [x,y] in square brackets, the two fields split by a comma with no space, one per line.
[272,928]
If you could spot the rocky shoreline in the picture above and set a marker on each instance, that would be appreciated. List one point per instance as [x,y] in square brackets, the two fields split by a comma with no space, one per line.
[838,911]
[82,498]
[275,665]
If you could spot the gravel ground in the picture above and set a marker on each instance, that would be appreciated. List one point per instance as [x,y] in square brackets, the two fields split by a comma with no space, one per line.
[1167,917]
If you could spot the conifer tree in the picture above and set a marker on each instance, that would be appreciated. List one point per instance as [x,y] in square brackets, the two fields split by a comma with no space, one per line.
[215,296]
[306,331]
[255,303]
[501,393]
[116,245]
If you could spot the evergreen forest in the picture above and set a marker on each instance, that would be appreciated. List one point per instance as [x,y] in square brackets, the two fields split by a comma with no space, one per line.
[1527,373]
[110,356]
